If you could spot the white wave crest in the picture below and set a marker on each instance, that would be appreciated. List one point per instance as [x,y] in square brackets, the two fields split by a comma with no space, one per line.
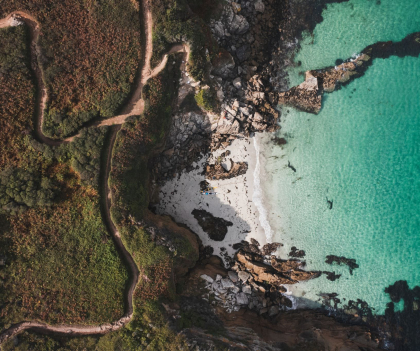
[257,197]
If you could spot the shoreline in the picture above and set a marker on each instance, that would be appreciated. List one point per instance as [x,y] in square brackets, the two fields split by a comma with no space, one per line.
[233,202]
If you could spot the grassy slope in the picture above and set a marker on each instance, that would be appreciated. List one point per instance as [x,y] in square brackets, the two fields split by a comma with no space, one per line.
[61,265]
[129,181]
[91,52]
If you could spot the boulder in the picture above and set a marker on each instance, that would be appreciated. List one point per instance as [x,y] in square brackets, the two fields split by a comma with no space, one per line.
[243,52]
[206,278]
[257,117]
[259,6]
[273,311]
[215,227]
[227,283]
[233,276]
[247,289]
[242,299]
[218,172]
[237,83]
[239,25]
[235,290]
[244,276]
[223,64]
[245,110]
[286,302]
[259,127]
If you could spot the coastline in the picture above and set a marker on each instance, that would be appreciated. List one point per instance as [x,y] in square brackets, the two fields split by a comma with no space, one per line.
[233,201]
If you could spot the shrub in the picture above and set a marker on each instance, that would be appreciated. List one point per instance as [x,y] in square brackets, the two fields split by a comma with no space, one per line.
[206,99]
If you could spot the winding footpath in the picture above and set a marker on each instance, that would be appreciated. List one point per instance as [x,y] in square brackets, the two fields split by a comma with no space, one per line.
[135,106]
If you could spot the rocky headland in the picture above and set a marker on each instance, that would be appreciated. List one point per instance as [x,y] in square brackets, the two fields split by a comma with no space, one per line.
[307,96]
[246,290]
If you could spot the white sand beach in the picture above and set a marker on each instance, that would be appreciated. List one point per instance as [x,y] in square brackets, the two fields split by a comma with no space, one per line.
[233,202]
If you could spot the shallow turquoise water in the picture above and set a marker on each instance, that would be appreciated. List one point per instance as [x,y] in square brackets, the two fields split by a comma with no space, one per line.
[349,27]
[363,152]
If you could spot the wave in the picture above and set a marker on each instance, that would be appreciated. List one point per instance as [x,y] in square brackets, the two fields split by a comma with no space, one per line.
[355,56]
[257,197]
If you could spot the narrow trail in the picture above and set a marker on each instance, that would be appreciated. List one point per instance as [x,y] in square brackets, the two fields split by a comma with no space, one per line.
[135,106]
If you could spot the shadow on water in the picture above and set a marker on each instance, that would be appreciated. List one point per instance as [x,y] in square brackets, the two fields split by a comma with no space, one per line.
[398,328]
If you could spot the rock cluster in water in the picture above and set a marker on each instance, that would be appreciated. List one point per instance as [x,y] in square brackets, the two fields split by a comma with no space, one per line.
[341,260]
[307,96]
[256,280]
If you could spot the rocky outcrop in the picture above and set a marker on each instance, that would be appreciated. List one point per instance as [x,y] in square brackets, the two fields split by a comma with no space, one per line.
[294,252]
[301,330]
[251,318]
[306,96]
[341,260]
[278,273]
[215,227]
[218,172]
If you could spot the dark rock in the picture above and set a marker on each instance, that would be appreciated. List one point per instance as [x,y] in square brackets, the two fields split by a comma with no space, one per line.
[286,302]
[332,275]
[341,260]
[215,227]
[243,52]
[279,141]
[269,248]
[294,252]
[204,185]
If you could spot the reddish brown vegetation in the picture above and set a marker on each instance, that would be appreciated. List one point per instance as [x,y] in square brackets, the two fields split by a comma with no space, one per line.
[46,253]
[90,56]
[17,98]
[156,281]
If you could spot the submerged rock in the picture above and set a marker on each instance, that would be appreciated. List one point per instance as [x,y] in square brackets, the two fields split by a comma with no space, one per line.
[341,260]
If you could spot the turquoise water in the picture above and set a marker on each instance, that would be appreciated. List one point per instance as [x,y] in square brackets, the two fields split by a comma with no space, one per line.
[362,151]
[349,27]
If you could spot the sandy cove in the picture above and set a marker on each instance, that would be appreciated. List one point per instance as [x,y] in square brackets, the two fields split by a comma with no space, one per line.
[233,202]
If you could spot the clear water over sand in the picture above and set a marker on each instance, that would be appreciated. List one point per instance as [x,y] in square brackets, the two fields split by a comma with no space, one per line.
[362,152]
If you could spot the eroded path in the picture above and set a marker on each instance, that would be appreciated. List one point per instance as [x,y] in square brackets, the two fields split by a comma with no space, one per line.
[135,106]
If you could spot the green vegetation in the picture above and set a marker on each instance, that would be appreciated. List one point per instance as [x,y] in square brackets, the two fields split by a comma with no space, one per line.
[17,96]
[174,23]
[90,57]
[60,263]
[134,144]
[206,9]
[148,329]
[206,99]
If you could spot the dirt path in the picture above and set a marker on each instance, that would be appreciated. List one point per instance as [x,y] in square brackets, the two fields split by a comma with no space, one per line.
[17,18]
[135,106]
